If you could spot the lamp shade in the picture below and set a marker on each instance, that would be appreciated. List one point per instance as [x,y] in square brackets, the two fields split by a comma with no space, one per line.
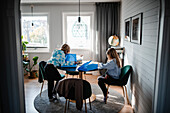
[113,40]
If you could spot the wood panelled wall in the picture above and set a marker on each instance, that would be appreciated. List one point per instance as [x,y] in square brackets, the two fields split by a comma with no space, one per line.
[141,57]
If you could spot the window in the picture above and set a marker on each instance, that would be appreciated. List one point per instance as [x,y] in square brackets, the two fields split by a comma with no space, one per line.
[77,35]
[36,34]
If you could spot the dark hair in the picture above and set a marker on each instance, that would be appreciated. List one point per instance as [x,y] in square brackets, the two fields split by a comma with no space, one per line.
[113,54]
[65,48]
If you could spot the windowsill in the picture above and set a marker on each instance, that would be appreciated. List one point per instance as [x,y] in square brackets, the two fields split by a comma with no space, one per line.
[37,50]
[79,49]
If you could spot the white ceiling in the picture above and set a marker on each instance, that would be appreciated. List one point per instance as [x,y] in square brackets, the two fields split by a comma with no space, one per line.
[66,1]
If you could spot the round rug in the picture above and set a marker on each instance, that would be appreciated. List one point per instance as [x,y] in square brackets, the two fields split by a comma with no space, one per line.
[114,104]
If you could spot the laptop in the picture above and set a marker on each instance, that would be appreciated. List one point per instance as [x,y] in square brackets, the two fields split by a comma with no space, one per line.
[72,58]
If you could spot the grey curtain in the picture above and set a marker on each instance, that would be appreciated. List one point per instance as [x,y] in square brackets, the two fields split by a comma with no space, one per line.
[108,23]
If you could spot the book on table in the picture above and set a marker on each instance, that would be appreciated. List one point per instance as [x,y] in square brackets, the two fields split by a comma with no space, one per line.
[88,67]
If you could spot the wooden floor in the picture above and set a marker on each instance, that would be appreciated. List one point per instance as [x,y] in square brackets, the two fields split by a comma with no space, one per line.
[32,89]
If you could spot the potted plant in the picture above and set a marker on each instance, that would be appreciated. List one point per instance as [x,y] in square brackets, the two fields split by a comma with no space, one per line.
[33,73]
[24,46]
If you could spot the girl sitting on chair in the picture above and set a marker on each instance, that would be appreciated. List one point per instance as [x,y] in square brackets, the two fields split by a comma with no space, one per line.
[113,70]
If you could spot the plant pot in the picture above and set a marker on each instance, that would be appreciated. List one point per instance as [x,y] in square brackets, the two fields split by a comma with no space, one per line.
[33,74]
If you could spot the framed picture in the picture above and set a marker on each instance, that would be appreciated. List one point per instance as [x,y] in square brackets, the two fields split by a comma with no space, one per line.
[127,29]
[136,33]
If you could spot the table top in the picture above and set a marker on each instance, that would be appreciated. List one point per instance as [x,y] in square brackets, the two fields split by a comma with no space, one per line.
[70,69]
[74,69]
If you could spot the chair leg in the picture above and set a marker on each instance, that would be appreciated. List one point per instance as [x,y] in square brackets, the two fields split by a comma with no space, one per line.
[65,106]
[68,103]
[85,105]
[123,91]
[81,75]
[90,103]
[41,88]
[127,95]
[85,76]
[66,75]
[107,94]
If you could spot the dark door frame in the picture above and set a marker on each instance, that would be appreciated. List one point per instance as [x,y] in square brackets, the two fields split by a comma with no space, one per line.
[12,98]
[161,99]
[12,81]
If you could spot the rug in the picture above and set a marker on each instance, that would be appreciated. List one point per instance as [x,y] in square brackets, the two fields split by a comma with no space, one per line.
[114,104]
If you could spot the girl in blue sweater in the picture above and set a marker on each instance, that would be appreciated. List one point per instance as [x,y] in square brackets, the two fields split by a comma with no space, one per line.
[113,70]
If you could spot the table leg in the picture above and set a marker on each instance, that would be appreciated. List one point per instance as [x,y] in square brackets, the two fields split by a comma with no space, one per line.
[81,75]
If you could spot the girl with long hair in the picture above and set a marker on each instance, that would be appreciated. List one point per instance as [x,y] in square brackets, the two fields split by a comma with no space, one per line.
[113,67]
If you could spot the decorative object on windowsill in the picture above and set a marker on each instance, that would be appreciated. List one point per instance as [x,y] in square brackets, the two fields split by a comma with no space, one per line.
[33,73]
[136,31]
[128,22]
[113,40]
[32,6]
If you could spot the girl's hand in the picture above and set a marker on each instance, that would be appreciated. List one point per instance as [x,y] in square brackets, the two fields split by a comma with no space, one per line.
[75,62]
[106,77]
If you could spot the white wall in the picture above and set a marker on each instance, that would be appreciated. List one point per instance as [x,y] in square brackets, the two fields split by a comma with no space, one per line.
[142,57]
[55,25]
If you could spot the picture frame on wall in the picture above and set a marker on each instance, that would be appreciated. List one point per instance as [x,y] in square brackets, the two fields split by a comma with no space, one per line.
[136,30]
[127,29]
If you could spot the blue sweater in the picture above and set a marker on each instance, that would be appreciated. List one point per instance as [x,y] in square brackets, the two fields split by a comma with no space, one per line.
[112,69]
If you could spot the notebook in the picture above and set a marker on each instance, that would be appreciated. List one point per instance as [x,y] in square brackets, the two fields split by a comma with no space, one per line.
[88,67]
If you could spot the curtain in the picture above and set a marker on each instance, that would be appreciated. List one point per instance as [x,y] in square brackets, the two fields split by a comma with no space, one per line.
[108,23]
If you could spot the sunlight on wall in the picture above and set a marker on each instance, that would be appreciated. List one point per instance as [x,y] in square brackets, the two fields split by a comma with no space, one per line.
[133,101]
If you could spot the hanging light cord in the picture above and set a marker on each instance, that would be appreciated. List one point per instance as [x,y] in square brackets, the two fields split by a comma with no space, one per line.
[32,10]
[79,19]
[79,8]
[32,13]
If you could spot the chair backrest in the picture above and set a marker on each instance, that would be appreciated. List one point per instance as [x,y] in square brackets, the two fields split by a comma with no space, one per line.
[42,74]
[125,72]
[86,89]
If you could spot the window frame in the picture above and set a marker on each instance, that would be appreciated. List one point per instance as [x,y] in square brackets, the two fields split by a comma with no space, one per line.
[64,25]
[35,49]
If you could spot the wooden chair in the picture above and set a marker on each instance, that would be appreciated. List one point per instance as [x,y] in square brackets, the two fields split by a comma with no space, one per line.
[125,72]
[71,94]
[42,74]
